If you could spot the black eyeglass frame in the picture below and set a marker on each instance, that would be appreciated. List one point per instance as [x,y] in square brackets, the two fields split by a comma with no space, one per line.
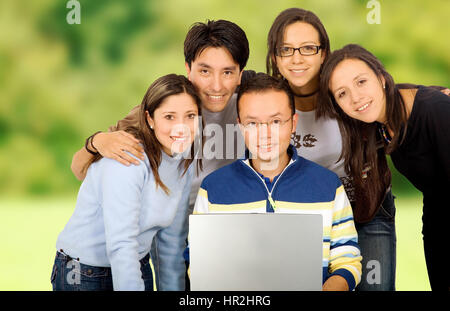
[299,49]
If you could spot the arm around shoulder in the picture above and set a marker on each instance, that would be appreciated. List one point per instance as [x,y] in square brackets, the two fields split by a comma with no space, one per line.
[110,146]
[80,163]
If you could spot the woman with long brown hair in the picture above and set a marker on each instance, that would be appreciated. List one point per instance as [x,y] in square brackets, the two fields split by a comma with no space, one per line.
[409,122]
[121,209]
[298,45]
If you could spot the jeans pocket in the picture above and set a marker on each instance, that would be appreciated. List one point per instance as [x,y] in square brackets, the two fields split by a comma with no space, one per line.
[92,278]
[94,272]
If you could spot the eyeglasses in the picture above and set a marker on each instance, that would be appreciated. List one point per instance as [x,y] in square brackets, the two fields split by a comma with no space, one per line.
[305,50]
[272,124]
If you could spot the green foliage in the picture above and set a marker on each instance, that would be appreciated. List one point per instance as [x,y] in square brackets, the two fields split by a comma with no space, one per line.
[59,83]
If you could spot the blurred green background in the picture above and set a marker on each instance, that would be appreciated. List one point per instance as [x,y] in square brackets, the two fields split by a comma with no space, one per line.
[59,83]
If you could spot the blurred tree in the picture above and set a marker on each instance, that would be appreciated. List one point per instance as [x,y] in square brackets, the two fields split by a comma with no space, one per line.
[59,82]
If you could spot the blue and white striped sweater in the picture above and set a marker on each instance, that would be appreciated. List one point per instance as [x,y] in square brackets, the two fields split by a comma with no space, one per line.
[303,187]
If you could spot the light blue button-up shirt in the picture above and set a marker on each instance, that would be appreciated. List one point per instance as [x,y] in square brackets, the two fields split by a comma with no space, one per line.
[119,211]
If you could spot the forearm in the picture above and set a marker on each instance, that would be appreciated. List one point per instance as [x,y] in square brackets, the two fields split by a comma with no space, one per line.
[80,163]
[111,146]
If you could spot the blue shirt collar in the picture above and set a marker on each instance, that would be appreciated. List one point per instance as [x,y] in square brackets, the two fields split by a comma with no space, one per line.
[291,151]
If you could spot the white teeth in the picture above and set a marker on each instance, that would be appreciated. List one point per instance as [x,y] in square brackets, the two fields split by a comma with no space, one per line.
[298,71]
[216,97]
[179,138]
[265,146]
[363,107]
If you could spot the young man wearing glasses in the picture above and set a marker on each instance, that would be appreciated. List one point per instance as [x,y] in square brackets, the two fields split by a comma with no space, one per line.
[274,179]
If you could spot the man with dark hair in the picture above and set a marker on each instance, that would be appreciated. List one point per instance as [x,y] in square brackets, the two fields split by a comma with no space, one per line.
[274,179]
[216,53]
[261,82]
[217,34]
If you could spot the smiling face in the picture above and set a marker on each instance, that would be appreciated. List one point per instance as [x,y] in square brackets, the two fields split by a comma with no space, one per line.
[215,75]
[302,72]
[358,91]
[175,123]
[268,143]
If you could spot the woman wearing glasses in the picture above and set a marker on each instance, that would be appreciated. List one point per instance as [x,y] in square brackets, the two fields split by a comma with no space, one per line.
[298,45]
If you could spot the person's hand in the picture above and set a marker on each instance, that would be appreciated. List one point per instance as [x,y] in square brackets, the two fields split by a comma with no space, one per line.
[335,283]
[114,144]
[446,92]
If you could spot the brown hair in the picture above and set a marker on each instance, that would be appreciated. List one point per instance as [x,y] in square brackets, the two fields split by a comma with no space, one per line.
[158,91]
[362,145]
[276,34]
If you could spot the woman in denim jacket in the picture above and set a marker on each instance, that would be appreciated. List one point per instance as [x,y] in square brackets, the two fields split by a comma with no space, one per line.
[121,209]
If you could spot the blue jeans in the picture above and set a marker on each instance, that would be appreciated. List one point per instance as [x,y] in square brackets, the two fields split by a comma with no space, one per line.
[69,274]
[377,241]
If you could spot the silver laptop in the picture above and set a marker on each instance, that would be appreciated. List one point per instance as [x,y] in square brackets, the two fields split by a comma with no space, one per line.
[255,252]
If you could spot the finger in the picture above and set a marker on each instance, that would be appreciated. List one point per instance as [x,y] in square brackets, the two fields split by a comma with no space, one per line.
[127,157]
[137,153]
[130,140]
[120,160]
[134,149]
[129,136]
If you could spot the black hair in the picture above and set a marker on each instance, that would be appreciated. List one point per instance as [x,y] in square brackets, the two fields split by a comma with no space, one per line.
[220,33]
[261,82]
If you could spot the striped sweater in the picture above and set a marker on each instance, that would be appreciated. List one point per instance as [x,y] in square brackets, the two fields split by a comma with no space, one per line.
[302,187]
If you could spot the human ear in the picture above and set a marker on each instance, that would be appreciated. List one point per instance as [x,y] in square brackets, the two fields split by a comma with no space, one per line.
[322,57]
[240,77]
[150,121]
[383,82]
[188,70]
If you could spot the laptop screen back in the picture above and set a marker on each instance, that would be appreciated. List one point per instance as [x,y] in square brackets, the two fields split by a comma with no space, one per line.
[255,252]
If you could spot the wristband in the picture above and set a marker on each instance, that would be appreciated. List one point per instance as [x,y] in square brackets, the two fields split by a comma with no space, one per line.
[89,142]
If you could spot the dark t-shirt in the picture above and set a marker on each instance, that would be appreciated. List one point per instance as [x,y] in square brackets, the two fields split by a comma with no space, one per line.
[424,156]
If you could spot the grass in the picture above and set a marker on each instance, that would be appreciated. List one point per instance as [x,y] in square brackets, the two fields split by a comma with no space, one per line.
[30,227]
[411,268]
